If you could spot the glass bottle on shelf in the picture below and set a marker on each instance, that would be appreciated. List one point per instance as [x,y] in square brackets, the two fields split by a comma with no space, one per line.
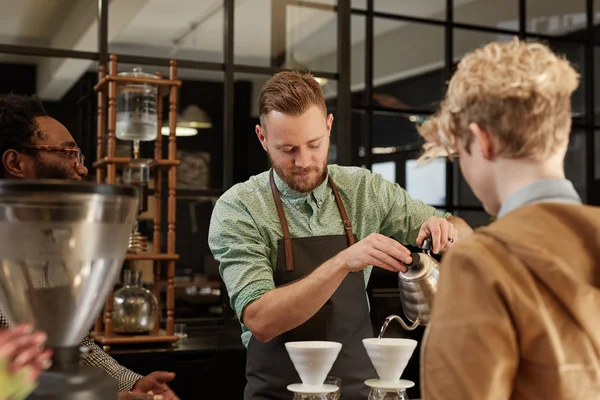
[135,308]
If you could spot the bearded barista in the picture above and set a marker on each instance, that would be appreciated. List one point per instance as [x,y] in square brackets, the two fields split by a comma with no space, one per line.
[296,244]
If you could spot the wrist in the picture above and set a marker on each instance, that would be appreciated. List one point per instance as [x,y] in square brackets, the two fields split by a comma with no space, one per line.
[339,264]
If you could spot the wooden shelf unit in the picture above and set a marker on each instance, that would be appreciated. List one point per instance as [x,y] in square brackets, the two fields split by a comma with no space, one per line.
[106,169]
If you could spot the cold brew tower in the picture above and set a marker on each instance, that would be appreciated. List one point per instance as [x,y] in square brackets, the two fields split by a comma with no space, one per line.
[130,108]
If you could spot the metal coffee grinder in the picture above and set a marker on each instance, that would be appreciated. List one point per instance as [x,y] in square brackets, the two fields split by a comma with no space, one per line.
[63,245]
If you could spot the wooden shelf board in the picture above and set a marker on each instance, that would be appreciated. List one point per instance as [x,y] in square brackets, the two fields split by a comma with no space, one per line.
[160,337]
[131,79]
[152,257]
[104,161]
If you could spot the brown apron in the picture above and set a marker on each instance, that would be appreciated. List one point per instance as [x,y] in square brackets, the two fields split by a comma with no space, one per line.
[343,318]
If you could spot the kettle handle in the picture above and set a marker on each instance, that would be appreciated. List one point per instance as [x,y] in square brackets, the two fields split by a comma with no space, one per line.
[426,245]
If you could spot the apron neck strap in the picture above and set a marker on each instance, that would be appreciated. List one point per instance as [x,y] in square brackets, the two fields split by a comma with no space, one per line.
[342,209]
[287,241]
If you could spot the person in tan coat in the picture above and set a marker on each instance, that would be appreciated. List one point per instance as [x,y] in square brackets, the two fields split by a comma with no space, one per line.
[517,312]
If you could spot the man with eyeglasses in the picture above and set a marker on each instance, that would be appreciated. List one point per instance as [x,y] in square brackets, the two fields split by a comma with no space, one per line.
[34,145]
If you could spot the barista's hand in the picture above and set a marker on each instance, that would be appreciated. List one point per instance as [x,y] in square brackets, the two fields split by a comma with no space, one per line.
[378,250]
[21,348]
[156,382]
[442,233]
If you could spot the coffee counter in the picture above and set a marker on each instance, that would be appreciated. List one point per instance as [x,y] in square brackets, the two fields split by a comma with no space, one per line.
[200,362]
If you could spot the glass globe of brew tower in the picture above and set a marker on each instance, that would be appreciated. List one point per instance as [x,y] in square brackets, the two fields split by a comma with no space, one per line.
[137,121]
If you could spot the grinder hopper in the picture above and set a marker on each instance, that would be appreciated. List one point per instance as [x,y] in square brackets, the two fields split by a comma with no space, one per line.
[63,245]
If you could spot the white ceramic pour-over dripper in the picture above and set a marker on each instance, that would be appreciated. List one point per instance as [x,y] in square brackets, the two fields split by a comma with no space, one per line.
[389,357]
[313,361]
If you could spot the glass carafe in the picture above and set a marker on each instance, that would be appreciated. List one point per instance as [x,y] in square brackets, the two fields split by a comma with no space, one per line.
[137,173]
[135,308]
[387,394]
[310,396]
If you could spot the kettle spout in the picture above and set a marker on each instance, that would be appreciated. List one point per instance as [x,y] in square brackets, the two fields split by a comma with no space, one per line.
[400,321]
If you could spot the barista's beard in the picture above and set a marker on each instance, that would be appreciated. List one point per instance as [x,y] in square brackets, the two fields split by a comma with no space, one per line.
[52,171]
[298,184]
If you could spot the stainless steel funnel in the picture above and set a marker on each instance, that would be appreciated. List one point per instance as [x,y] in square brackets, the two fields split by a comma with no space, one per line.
[63,244]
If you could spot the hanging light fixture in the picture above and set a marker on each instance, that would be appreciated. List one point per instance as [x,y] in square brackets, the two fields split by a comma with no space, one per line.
[188,123]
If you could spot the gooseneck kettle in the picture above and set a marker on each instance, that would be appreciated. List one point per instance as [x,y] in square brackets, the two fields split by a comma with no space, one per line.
[418,286]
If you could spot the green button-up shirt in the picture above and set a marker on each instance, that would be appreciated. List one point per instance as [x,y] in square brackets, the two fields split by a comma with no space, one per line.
[245,227]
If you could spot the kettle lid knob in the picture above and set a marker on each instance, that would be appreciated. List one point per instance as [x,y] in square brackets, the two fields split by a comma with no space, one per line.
[416,261]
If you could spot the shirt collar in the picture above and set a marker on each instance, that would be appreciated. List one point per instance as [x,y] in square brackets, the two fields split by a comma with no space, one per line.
[558,190]
[319,193]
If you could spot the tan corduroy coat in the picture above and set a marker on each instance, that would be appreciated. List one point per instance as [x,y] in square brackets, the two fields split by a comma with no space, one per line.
[517,313]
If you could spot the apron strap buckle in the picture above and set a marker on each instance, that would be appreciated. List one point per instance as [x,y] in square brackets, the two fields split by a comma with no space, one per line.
[348,225]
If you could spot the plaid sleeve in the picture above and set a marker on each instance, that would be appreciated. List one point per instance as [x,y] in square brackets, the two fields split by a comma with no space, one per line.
[3,321]
[96,357]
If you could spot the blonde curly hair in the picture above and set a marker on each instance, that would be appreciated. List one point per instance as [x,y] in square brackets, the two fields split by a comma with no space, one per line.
[518,91]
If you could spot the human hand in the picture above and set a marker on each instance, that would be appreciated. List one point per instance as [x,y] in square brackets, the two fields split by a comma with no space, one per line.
[22,348]
[442,233]
[156,382]
[22,357]
[377,250]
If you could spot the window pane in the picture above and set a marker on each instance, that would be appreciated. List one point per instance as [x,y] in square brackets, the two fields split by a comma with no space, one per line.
[575,163]
[597,83]
[58,24]
[432,9]
[556,18]
[408,65]
[177,29]
[273,33]
[465,196]
[468,40]
[597,155]
[427,183]
[396,132]
[311,36]
[493,13]
[386,169]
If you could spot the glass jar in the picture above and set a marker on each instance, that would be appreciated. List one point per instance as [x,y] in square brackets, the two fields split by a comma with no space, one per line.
[387,394]
[310,396]
[137,173]
[137,118]
[335,381]
[135,309]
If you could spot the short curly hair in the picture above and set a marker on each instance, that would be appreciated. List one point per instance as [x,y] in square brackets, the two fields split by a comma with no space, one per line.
[18,126]
[518,91]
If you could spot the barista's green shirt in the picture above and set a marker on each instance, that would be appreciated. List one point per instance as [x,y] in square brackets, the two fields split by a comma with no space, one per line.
[245,228]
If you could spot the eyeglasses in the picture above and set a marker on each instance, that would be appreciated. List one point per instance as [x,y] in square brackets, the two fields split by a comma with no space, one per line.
[73,152]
